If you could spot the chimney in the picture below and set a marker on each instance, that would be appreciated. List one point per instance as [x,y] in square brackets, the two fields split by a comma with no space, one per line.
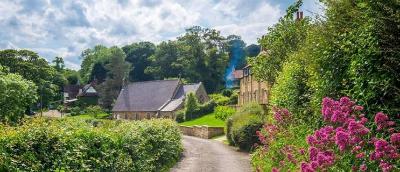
[299,15]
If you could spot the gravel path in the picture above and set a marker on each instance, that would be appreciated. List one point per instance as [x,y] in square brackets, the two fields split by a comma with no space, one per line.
[202,155]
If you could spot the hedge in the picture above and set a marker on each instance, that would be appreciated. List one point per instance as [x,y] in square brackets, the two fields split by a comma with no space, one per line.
[75,145]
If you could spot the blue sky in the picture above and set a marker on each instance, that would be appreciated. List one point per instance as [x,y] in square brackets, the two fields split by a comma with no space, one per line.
[65,28]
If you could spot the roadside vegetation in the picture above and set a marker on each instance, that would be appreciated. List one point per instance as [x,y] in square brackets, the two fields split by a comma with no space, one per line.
[67,144]
[349,54]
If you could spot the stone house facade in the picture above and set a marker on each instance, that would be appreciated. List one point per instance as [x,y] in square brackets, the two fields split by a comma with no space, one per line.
[155,99]
[251,90]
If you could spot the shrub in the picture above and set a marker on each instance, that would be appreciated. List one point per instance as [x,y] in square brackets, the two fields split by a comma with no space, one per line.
[16,94]
[205,108]
[227,92]
[223,112]
[219,99]
[243,125]
[180,116]
[191,106]
[75,145]
[76,111]
[94,110]
[233,99]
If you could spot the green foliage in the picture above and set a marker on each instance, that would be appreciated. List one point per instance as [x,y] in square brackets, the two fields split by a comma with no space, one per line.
[76,111]
[94,111]
[191,106]
[227,92]
[242,126]
[193,109]
[223,112]
[180,115]
[219,99]
[75,145]
[291,90]
[252,50]
[138,54]
[30,66]
[16,95]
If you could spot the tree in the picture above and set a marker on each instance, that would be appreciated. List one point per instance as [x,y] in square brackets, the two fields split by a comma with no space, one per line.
[191,106]
[163,64]
[59,64]
[118,70]
[138,55]
[16,94]
[30,66]
[91,57]
[252,50]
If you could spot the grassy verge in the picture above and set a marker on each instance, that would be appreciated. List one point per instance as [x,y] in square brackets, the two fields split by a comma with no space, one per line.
[208,120]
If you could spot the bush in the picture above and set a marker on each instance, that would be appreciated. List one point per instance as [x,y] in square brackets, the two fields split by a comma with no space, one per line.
[94,111]
[194,110]
[180,116]
[16,94]
[223,112]
[219,99]
[242,126]
[76,111]
[227,92]
[75,145]
[233,99]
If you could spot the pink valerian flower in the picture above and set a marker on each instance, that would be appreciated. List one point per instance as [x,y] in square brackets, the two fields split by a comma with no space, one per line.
[275,170]
[282,116]
[342,139]
[385,167]
[363,167]
[395,139]
[302,151]
[360,155]
[382,121]
[358,108]
[306,167]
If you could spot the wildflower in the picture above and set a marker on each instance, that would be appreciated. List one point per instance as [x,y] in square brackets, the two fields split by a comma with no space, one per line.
[305,167]
[358,108]
[342,139]
[395,139]
[275,170]
[363,167]
[360,155]
[381,120]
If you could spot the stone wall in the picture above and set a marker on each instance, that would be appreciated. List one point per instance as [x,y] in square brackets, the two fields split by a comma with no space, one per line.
[204,132]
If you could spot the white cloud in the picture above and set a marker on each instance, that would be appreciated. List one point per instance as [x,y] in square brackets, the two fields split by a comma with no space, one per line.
[66,28]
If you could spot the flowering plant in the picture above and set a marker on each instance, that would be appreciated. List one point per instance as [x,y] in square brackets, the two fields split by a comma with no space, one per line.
[346,139]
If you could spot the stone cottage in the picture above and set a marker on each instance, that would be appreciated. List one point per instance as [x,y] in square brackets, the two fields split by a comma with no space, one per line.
[251,89]
[155,99]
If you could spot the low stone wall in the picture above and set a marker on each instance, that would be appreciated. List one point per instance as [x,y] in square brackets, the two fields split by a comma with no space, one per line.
[204,132]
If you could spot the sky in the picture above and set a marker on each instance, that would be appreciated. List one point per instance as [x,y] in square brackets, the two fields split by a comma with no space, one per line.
[65,28]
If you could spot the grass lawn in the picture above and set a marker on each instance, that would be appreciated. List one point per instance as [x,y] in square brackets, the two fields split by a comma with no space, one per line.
[208,120]
[86,116]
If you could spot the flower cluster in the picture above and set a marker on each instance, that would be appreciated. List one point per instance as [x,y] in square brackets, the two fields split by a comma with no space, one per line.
[347,132]
[282,116]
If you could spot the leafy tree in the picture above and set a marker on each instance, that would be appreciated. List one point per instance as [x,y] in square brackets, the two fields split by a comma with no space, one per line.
[30,66]
[90,58]
[59,64]
[191,106]
[252,50]
[236,50]
[117,72]
[164,61]
[72,76]
[138,55]
[16,94]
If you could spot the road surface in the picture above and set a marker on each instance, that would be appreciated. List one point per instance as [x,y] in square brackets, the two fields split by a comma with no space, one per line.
[202,155]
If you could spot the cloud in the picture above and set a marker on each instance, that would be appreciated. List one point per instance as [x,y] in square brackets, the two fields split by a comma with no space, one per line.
[66,28]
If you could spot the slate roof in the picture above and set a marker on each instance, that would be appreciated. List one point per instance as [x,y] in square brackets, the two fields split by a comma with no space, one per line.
[146,96]
[72,90]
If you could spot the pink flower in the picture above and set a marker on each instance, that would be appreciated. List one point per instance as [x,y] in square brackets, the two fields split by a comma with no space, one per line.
[360,155]
[305,167]
[381,120]
[342,139]
[363,167]
[358,108]
[395,139]
[275,170]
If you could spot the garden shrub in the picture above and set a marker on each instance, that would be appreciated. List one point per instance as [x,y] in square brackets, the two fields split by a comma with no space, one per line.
[180,116]
[76,111]
[227,92]
[223,112]
[94,110]
[243,125]
[193,109]
[233,99]
[219,99]
[75,145]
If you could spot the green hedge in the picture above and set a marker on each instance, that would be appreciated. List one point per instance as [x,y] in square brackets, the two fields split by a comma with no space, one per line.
[76,145]
[242,126]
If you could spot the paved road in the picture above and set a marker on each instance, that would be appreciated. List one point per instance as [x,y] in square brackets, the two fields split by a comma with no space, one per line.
[203,155]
